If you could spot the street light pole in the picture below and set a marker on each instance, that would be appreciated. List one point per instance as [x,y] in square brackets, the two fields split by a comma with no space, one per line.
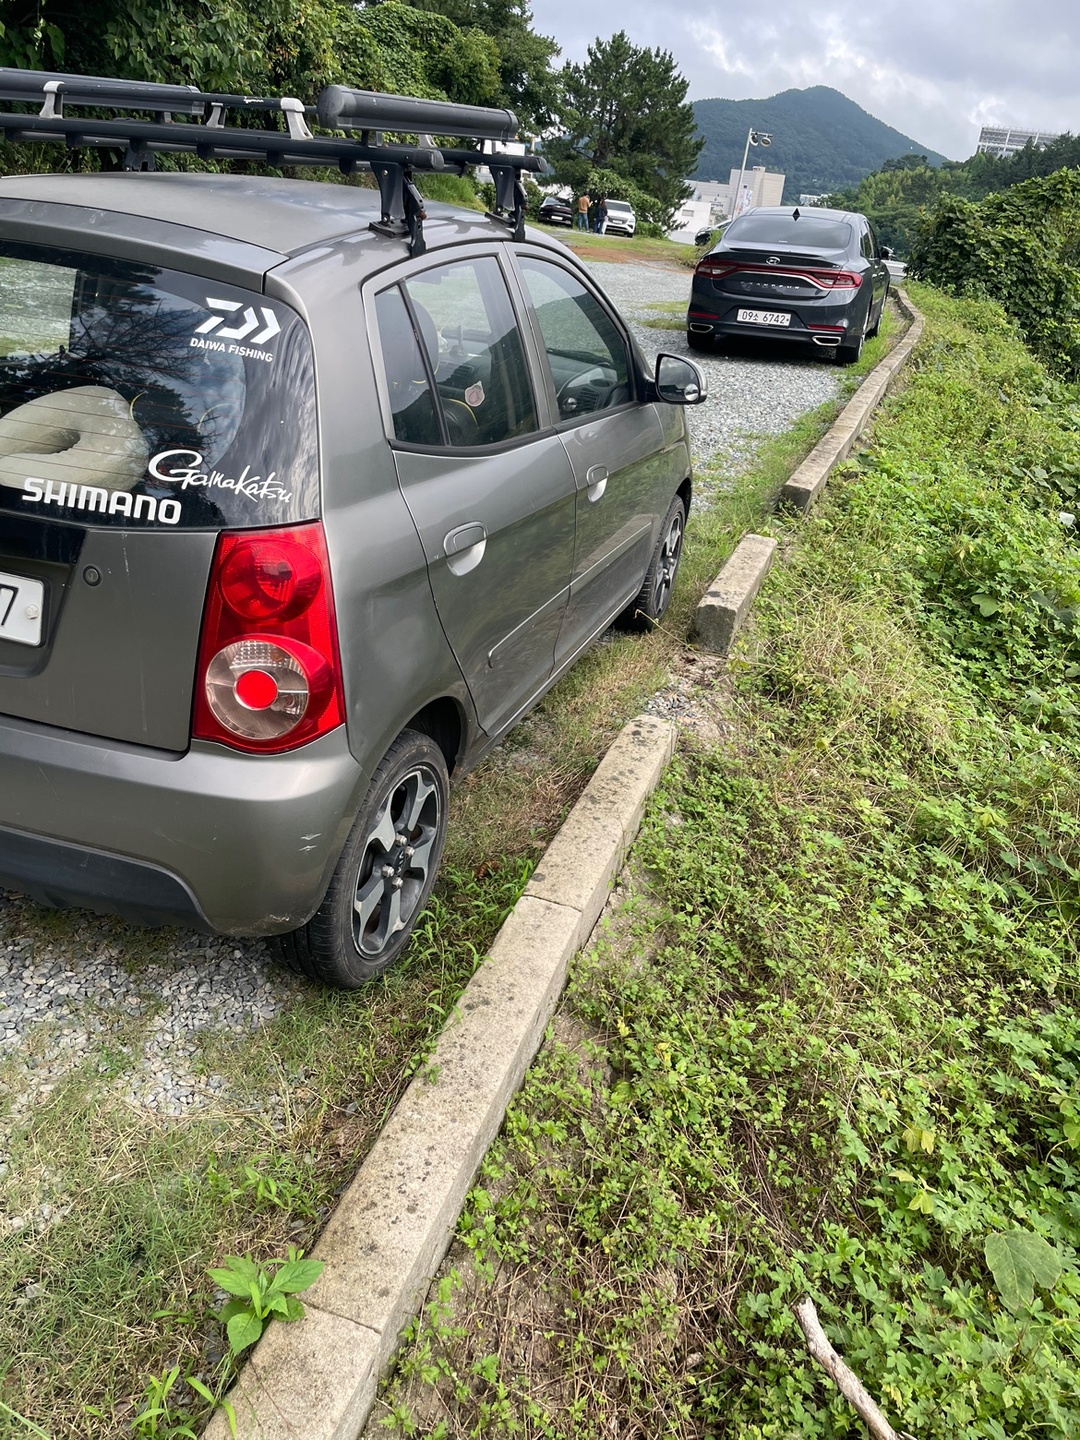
[753,137]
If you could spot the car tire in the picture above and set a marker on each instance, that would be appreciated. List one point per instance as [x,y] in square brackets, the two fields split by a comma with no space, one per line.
[699,342]
[848,354]
[877,323]
[647,610]
[385,874]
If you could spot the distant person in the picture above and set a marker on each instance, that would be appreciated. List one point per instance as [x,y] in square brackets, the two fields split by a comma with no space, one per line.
[582,218]
[601,216]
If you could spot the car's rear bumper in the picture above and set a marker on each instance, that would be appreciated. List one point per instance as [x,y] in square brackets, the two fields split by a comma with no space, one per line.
[823,324]
[230,843]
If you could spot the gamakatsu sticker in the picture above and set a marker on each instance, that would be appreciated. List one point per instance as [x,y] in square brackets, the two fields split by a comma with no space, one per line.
[185,468]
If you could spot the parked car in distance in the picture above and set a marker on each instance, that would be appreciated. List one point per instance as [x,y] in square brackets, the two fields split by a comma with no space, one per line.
[621,219]
[816,277]
[307,494]
[557,210]
[711,233]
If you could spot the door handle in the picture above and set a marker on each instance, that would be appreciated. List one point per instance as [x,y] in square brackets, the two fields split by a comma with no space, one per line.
[464,547]
[596,479]
[464,537]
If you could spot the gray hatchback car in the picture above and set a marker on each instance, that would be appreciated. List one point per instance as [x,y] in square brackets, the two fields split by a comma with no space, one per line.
[307,493]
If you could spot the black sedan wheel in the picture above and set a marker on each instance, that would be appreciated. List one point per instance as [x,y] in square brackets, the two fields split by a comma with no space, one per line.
[385,874]
[646,612]
[848,354]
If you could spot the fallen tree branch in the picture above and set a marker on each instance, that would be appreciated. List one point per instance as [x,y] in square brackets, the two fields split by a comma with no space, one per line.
[845,1379]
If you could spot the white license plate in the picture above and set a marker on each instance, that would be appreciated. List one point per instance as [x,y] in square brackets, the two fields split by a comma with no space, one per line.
[764,317]
[21,604]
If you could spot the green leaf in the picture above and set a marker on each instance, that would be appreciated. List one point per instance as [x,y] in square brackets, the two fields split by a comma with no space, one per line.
[243,1330]
[1019,1261]
[238,1278]
[986,604]
[297,1275]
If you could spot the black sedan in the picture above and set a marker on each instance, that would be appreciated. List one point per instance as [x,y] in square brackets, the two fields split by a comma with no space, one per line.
[814,276]
[556,210]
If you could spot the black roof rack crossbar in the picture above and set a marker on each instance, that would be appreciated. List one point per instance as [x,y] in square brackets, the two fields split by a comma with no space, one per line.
[208,136]
[340,108]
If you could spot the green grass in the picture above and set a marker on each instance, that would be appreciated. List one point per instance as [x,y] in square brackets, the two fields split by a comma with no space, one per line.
[830,1044]
[629,249]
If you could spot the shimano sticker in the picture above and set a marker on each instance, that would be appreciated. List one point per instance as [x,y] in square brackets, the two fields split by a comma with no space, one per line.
[185,468]
[96,499]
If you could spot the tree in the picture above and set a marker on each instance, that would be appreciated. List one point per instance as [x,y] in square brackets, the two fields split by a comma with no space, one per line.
[252,47]
[528,84]
[626,112]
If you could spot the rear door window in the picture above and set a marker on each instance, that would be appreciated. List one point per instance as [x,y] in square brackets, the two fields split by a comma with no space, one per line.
[133,396]
[454,359]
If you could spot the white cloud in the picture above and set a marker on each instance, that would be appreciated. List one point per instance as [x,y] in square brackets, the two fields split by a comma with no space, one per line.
[935,72]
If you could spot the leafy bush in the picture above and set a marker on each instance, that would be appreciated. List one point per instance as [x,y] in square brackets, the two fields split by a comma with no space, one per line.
[1021,248]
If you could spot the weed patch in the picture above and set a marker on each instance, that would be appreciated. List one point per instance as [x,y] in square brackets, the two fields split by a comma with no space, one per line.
[833,1046]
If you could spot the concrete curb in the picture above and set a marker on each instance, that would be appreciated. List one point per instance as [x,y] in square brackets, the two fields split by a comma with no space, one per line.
[317,1379]
[807,482]
[725,605]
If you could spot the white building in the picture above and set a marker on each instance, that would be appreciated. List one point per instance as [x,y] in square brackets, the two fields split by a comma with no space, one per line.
[692,216]
[760,187]
[1003,141]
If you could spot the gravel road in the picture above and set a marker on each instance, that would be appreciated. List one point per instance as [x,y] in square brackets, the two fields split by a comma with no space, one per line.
[751,392]
[70,981]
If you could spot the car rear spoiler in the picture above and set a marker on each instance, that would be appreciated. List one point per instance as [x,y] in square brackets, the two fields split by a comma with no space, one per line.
[205,133]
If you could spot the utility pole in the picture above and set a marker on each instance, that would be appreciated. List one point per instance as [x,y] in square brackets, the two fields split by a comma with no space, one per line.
[753,137]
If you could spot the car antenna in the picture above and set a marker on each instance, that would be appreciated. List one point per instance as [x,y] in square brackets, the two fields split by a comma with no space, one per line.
[795,213]
[203,132]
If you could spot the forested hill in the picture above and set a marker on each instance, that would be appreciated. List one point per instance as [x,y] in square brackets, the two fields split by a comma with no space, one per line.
[822,141]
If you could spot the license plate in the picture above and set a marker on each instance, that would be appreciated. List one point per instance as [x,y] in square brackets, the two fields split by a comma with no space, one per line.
[764,317]
[21,604]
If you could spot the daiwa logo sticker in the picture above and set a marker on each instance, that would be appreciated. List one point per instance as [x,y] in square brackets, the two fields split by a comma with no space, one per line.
[250,327]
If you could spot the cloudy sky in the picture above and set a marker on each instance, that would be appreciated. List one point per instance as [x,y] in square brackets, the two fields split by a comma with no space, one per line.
[933,70]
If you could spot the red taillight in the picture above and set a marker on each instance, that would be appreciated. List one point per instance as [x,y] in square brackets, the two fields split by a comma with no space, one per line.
[836,279]
[273,578]
[710,269]
[269,677]
[714,269]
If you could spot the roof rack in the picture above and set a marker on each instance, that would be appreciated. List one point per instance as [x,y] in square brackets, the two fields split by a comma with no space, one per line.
[207,135]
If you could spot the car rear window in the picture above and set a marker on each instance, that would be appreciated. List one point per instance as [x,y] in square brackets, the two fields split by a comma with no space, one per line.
[815,232]
[139,397]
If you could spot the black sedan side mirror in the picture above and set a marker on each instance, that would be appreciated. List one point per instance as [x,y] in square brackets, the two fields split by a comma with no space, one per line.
[885,252]
[679,381]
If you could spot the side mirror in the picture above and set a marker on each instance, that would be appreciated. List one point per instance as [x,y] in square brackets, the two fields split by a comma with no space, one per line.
[679,381]
[885,252]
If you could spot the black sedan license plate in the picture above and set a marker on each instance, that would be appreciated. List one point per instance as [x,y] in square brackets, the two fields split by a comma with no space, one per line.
[764,317]
[21,604]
